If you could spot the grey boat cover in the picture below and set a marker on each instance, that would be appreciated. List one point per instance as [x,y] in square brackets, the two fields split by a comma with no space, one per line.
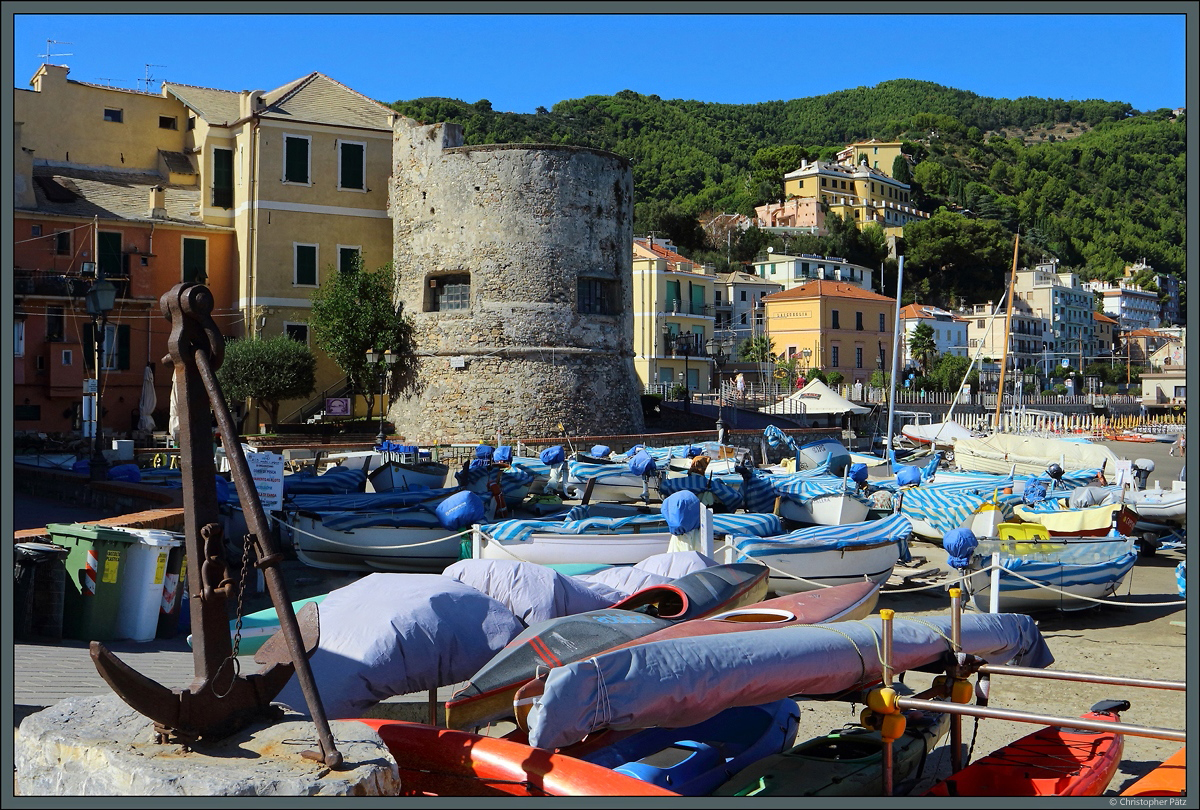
[658,569]
[392,634]
[682,681]
[534,593]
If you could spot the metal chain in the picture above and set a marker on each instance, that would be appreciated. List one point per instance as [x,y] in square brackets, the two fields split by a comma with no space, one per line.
[237,632]
[247,541]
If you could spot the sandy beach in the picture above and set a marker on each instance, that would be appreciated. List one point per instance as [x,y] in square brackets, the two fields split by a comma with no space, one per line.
[1138,633]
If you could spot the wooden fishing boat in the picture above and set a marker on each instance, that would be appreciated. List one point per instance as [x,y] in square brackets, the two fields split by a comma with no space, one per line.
[1061,573]
[392,475]
[833,509]
[604,479]
[1029,455]
[1168,779]
[488,696]
[1052,761]
[443,762]
[608,540]
[820,556]
[844,762]
[696,759]
[412,540]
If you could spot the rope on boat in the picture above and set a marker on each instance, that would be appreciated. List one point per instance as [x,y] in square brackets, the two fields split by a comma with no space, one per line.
[380,548]
[962,580]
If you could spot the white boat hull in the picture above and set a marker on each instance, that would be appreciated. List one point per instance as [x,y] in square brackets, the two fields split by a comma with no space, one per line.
[824,510]
[556,549]
[1067,586]
[383,548]
[394,475]
[796,572]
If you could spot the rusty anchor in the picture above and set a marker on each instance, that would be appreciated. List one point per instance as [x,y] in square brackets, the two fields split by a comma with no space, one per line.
[219,700]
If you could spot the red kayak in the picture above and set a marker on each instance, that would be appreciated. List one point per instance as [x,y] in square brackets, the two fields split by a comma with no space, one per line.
[488,696]
[1051,762]
[1168,779]
[443,762]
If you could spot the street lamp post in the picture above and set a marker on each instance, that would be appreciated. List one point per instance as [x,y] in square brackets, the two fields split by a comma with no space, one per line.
[716,349]
[100,300]
[383,361]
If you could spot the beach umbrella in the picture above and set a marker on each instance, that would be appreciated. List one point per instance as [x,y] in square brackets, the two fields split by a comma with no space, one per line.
[173,418]
[148,401]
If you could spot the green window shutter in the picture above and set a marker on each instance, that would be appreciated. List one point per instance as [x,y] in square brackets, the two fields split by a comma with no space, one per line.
[352,166]
[89,346]
[109,254]
[306,264]
[295,160]
[123,346]
[194,253]
[223,178]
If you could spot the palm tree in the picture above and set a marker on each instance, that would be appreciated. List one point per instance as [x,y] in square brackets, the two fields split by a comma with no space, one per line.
[922,346]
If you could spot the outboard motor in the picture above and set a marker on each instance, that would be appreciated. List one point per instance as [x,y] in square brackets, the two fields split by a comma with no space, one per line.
[1056,473]
[1142,467]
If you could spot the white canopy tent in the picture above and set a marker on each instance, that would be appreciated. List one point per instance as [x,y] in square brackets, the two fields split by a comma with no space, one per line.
[815,399]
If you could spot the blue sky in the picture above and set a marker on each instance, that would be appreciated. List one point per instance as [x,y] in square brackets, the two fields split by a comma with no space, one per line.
[522,61]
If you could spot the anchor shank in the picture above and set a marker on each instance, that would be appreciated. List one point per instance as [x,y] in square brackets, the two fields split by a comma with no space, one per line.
[211,644]
[256,519]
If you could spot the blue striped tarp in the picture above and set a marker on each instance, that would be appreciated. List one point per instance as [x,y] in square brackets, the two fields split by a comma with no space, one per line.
[516,530]
[334,481]
[758,524]
[728,494]
[414,517]
[891,529]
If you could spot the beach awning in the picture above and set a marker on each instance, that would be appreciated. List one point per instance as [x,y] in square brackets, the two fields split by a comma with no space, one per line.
[816,398]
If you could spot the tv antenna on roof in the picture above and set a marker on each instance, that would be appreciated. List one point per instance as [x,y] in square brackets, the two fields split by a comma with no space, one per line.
[48,55]
[149,80]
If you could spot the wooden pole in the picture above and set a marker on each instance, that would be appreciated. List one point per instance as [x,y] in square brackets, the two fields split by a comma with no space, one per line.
[1012,291]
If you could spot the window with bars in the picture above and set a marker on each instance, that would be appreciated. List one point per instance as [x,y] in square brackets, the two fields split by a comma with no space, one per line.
[596,296]
[449,293]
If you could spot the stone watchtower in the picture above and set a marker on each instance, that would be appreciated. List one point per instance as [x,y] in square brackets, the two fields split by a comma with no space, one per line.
[515,264]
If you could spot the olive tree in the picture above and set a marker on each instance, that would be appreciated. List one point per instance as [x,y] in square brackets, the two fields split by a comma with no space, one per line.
[269,370]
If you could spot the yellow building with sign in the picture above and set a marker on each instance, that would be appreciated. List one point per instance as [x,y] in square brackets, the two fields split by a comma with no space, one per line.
[832,326]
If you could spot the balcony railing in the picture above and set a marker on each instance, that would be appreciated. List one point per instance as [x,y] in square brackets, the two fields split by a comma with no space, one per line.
[49,283]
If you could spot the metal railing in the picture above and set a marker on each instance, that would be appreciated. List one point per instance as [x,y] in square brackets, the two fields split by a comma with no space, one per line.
[316,405]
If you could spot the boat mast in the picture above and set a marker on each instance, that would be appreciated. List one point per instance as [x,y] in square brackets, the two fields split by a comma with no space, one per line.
[895,356]
[1012,289]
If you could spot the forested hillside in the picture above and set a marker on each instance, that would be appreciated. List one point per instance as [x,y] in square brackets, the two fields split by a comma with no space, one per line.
[1094,183]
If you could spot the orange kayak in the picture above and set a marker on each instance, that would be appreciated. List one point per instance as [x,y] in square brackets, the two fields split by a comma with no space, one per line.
[1168,779]
[1051,762]
[444,762]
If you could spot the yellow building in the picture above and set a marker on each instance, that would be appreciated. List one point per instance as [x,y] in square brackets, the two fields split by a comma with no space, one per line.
[300,173]
[857,192]
[673,319]
[832,326]
[879,154]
